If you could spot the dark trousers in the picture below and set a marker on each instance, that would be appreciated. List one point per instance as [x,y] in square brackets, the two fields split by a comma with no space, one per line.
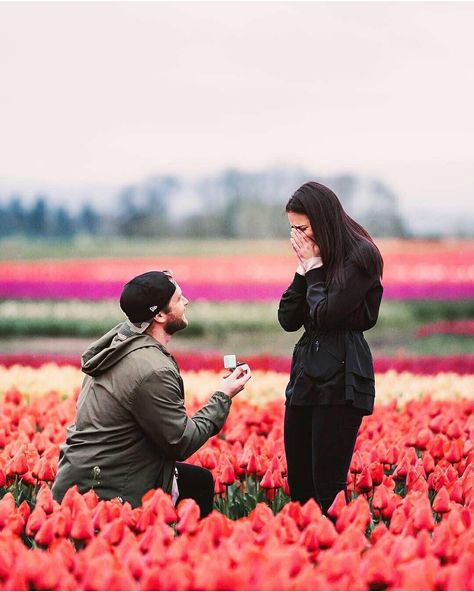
[196,483]
[319,442]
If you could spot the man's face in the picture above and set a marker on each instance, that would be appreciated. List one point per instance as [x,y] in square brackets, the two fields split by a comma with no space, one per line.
[176,313]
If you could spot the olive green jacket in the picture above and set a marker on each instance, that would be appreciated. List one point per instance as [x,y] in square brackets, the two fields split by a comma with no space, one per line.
[131,423]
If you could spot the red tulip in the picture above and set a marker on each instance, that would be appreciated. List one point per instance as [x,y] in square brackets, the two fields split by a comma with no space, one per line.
[254,466]
[454,430]
[188,514]
[135,563]
[91,499]
[456,493]
[428,463]
[267,481]
[45,534]
[286,487]
[356,463]
[438,423]
[393,501]
[377,473]
[82,527]
[393,454]
[379,531]
[219,487]
[364,481]
[208,458]
[437,479]
[270,494]
[260,516]
[44,499]
[13,396]
[436,447]
[277,478]
[45,471]
[423,517]
[380,499]
[378,570]
[398,520]
[337,505]
[441,502]
[461,574]
[310,538]
[418,574]
[327,534]
[35,521]
[7,508]
[18,465]
[423,438]
[453,451]
[402,469]
[228,474]
[112,532]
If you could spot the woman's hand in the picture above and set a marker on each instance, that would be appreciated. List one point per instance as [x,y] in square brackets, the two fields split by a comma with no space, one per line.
[304,247]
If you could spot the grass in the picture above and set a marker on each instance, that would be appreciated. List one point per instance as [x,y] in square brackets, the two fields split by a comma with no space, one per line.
[249,328]
[92,247]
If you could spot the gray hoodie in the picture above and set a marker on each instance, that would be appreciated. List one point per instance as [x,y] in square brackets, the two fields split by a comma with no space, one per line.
[131,423]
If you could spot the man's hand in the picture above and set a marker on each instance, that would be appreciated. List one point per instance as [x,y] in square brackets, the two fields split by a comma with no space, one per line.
[235,382]
[304,247]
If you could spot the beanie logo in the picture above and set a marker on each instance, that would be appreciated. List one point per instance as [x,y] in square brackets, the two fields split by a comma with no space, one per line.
[153,308]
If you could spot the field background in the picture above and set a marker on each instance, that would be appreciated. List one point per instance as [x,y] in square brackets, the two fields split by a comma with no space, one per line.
[244,326]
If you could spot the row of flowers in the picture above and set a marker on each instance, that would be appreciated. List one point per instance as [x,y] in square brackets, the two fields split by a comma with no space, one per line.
[461,364]
[408,524]
[420,274]
[447,328]
[417,266]
[88,290]
[265,385]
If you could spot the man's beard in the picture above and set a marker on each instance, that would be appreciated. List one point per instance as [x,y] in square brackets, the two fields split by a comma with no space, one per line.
[174,325]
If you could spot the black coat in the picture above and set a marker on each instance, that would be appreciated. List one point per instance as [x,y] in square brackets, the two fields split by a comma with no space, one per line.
[332,363]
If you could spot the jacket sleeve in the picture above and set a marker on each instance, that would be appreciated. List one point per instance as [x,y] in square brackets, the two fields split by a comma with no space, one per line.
[337,307]
[158,407]
[292,304]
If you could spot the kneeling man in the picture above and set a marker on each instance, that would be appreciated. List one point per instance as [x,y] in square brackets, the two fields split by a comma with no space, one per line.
[131,424]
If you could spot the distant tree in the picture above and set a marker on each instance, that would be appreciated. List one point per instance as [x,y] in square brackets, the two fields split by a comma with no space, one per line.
[143,208]
[38,217]
[88,220]
[63,224]
[14,217]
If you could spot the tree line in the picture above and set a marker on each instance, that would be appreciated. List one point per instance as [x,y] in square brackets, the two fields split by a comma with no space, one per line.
[231,204]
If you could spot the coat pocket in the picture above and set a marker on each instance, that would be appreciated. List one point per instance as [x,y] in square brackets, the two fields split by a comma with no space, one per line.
[322,363]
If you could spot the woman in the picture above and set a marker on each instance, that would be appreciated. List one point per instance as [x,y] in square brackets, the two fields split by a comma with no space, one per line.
[335,295]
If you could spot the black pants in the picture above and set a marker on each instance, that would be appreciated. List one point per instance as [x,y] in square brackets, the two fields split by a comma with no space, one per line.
[319,442]
[196,483]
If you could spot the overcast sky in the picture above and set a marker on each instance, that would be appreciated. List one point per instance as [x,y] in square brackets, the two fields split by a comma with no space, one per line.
[113,92]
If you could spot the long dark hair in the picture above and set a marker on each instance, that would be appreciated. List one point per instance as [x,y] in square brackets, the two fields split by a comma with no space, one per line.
[338,236]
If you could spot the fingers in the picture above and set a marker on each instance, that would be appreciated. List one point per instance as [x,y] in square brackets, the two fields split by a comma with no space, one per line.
[304,246]
[241,374]
[298,237]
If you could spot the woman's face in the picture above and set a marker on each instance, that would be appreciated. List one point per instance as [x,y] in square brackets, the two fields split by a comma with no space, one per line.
[301,221]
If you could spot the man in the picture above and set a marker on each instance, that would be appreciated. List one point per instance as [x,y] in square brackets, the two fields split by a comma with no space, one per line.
[131,423]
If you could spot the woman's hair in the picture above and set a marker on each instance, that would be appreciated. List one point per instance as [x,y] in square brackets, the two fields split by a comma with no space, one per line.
[337,235]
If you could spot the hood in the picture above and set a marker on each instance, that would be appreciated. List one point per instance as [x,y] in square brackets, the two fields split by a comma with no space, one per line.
[112,347]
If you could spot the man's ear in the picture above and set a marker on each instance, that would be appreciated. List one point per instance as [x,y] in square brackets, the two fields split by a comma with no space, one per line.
[160,317]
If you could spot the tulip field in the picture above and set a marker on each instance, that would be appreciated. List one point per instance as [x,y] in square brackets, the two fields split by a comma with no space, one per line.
[408,522]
